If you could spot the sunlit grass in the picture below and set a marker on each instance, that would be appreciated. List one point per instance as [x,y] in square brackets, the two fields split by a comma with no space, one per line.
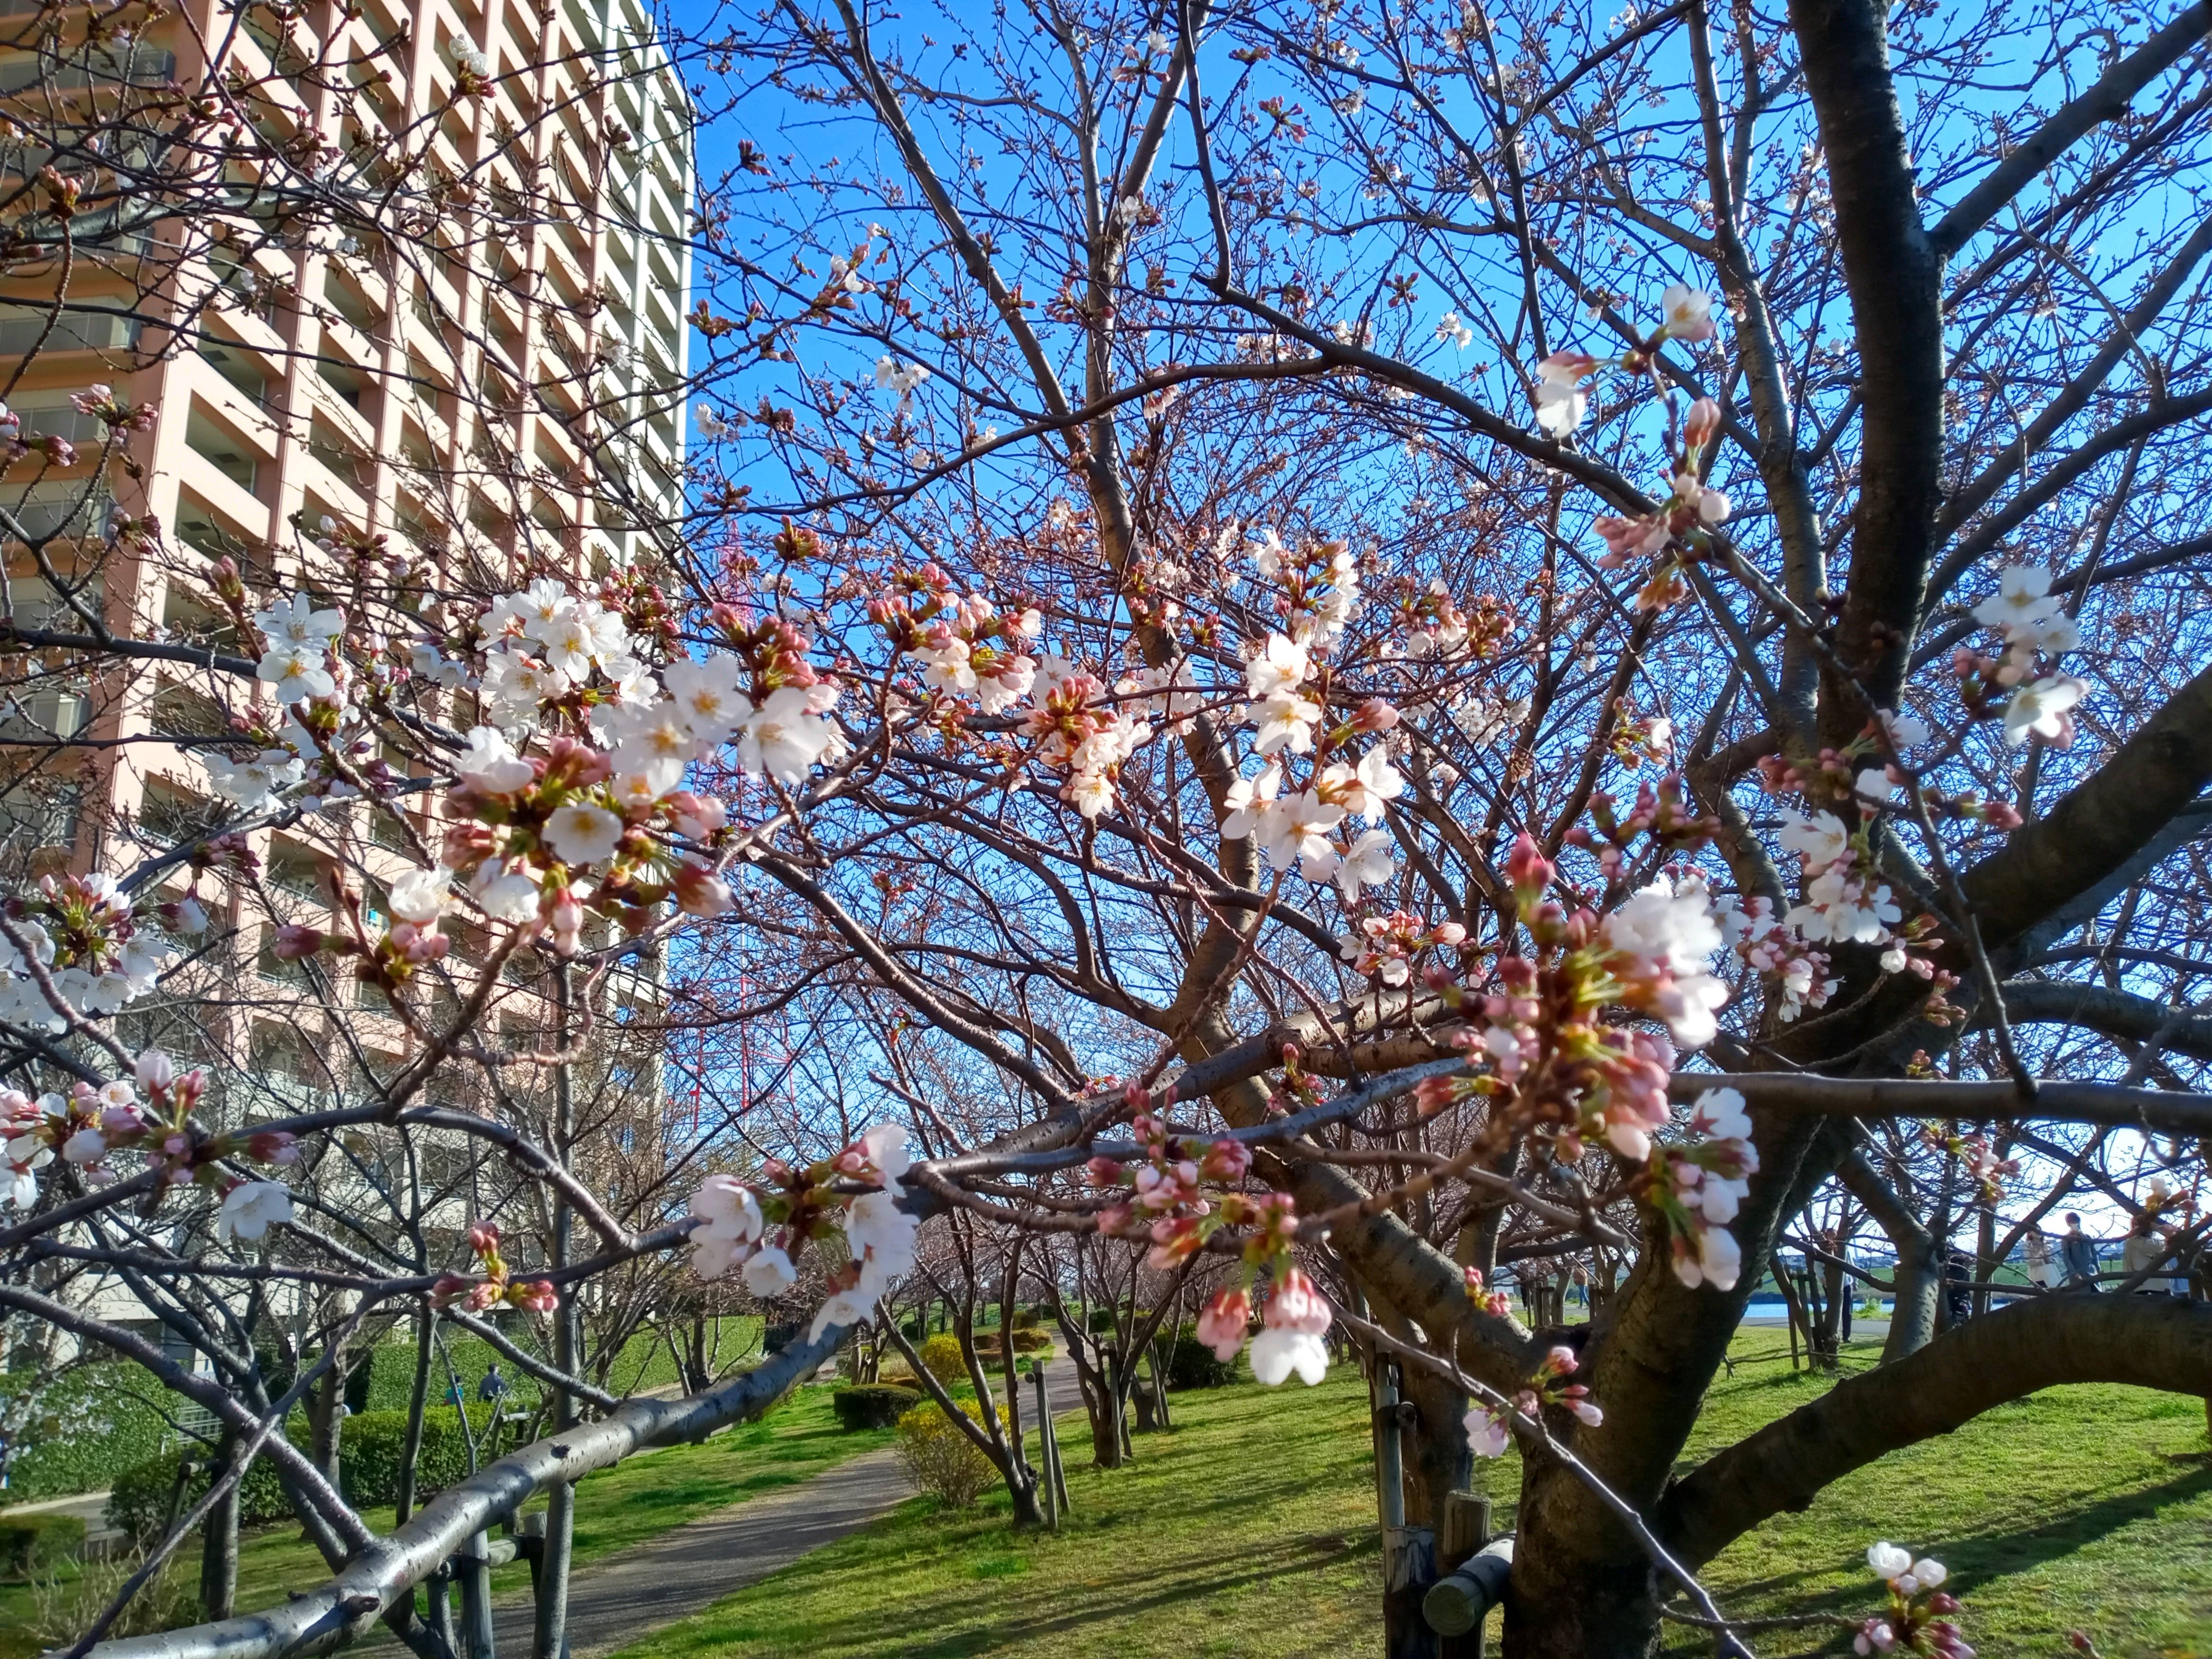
[1250,1531]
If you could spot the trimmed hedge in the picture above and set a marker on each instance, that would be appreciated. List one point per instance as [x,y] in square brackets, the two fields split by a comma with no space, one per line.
[368,1472]
[872,1405]
[29,1543]
[1192,1365]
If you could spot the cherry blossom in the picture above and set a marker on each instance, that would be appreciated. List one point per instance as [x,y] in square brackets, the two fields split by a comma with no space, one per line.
[2045,709]
[252,1208]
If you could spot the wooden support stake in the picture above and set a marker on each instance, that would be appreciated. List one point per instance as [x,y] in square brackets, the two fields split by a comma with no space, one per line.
[1465,1530]
[1408,1553]
[440,1615]
[1044,1449]
[474,1561]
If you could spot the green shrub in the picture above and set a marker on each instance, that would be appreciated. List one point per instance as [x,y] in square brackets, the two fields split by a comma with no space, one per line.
[872,1406]
[1026,1319]
[940,1459]
[368,1472]
[28,1542]
[369,1454]
[139,1500]
[942,1358]
[1102,1319]
[1192,1365]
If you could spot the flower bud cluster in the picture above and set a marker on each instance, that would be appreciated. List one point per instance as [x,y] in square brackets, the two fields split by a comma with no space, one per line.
[1919,1619]
[498,1287]
[150,1113]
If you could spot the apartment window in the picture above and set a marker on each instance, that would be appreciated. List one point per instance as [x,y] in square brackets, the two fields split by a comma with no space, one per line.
[52,414]
[40,813]
[242,371]
[170,813]
[31,713]
[296,869]
[198,528]
[350,384]
[182,711]
[346,298]
[221,449]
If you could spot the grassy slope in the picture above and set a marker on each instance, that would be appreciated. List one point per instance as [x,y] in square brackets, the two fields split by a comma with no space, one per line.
[618,1507]
[1250,1533]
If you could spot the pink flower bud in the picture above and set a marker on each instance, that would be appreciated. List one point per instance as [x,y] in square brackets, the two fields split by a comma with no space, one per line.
[1104,1172]
[484,1237]
[1702,422]
[699,891]
[1226,1160]
[1374,715]
[1222,1322]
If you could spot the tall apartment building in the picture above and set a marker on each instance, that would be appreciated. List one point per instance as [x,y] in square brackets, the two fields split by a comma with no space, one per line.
[470,400]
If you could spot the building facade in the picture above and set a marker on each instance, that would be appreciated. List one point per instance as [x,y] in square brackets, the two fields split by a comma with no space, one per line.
[500,385]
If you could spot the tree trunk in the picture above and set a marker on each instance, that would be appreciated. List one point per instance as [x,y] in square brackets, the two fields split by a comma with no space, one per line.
[219,1541]
[1587,1598]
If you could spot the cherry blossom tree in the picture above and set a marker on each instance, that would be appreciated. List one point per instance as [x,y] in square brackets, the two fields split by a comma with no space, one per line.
[1150,747]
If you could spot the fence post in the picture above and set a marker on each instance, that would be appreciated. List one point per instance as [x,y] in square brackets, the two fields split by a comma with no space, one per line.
[1465,1530]
[474,1558]
[1044,1447]
[1407,1551]
[439,1613]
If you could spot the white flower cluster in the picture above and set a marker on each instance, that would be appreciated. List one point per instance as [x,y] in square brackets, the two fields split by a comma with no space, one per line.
[893,375]
[297,660]
[1668,934]
[879,1236]
[947,654]
[2034,624]
[1082,734]
[1771,945]
[129,972]
[1295,829]
[1845,900]
[1710,1176]
[550,641]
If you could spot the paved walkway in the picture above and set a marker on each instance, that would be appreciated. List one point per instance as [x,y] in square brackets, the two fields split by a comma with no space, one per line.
[615,1600]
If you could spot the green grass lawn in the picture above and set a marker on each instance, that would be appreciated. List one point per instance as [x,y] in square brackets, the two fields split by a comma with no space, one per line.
[1251,1532]
[616,1508]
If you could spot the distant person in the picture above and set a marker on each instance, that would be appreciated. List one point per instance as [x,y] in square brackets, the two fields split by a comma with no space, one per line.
[2145,1248]
[1958,1284]
[493,1389]
[2078,1251]
[2042,1272]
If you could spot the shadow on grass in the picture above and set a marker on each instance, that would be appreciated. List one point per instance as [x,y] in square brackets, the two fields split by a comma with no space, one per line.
[1976,1558]
[1139,1589]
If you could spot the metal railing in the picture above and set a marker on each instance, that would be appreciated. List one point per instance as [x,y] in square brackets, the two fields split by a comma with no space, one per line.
[448,1541]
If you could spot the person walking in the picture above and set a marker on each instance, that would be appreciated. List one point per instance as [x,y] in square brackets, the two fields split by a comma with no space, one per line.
[2079,1252]
[2041,1272]
[2145,1248]
[1958,1285]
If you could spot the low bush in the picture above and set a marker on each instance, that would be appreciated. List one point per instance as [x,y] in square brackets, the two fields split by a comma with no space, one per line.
[942,1359]
[30,1542]
[368,1473]
[1192,1365]
[140,1497]
[872,1406]
[940,1459]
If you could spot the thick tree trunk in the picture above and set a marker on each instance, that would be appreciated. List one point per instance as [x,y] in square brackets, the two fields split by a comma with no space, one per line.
[1597,1600]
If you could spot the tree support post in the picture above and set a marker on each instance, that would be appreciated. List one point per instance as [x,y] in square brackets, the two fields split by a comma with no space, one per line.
[1046,1462]
[474,1561]
[1408,1553]
[1465,1530]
